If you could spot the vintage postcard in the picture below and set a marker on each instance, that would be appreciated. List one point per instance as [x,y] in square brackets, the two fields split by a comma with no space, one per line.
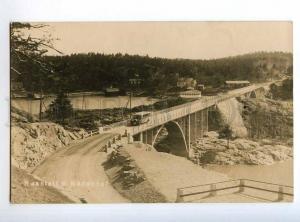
[151,112]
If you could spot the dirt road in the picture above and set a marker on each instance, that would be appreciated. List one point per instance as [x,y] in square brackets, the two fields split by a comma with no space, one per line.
[77,170]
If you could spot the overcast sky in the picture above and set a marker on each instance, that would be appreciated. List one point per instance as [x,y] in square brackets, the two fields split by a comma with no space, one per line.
[194,40]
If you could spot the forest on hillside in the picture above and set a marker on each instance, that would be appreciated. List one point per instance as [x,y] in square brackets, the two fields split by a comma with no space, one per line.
[94,72]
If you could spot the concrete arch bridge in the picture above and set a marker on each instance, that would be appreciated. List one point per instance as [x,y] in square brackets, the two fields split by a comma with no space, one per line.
[189,121]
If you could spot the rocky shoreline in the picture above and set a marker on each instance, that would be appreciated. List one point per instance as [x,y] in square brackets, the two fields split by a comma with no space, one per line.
[212,150]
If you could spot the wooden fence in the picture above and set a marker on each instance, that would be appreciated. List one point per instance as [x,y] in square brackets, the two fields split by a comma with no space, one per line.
[236,186]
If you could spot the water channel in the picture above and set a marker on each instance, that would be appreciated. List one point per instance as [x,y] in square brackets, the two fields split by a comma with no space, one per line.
[82,102]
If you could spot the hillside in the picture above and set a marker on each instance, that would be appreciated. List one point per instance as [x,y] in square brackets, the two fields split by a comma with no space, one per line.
[93,72]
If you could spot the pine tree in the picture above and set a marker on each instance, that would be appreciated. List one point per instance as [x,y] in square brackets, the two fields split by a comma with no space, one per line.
[60,109]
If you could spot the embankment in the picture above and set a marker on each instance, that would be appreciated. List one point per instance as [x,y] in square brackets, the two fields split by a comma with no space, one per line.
[27,189]
[32,142]
[129,179]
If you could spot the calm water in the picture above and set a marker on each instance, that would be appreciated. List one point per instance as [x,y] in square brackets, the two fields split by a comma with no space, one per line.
[83,102]
[280,173]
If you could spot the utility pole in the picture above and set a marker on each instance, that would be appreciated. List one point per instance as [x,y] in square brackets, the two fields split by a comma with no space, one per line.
[133,82]
[130,96]
[40,113]
[41,100]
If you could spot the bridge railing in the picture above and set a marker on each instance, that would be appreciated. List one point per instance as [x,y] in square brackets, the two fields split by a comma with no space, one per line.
[162,116]
[117,124]
[213,99]
[235,186]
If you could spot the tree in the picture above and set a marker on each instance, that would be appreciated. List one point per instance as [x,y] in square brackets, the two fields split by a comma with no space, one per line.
[28,63]
[226,133]
[208,157]
[284,91]
[60,109]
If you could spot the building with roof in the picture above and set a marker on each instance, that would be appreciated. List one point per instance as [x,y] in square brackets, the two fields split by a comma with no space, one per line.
[186,82]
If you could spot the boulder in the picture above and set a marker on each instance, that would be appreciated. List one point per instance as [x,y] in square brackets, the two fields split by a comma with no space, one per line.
[278,156]
[211,134]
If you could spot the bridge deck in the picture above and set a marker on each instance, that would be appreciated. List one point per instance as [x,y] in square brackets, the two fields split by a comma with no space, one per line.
[163,116]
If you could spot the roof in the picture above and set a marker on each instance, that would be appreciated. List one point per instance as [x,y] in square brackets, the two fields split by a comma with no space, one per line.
[142,113]
[237,82]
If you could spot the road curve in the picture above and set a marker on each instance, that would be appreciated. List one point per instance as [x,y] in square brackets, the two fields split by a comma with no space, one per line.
[77,170]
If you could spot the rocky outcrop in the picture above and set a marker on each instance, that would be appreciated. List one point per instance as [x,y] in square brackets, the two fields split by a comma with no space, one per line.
[31,143]
[211,149]
[266,118]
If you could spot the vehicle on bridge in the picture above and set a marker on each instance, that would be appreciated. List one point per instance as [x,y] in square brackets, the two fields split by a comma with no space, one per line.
[140,118]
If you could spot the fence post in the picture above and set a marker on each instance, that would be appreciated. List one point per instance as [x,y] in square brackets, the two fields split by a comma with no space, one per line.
[100,130]
[179,197]
[280,193]
[213,191]
[130,138]
[242,185]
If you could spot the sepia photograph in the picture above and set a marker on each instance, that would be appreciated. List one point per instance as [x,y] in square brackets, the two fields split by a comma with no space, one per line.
[151,112]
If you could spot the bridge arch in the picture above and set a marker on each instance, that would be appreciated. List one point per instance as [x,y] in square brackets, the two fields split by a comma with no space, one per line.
[258,93]
[174,129]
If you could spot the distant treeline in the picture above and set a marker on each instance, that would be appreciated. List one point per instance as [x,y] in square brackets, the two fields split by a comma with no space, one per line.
[94,72]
